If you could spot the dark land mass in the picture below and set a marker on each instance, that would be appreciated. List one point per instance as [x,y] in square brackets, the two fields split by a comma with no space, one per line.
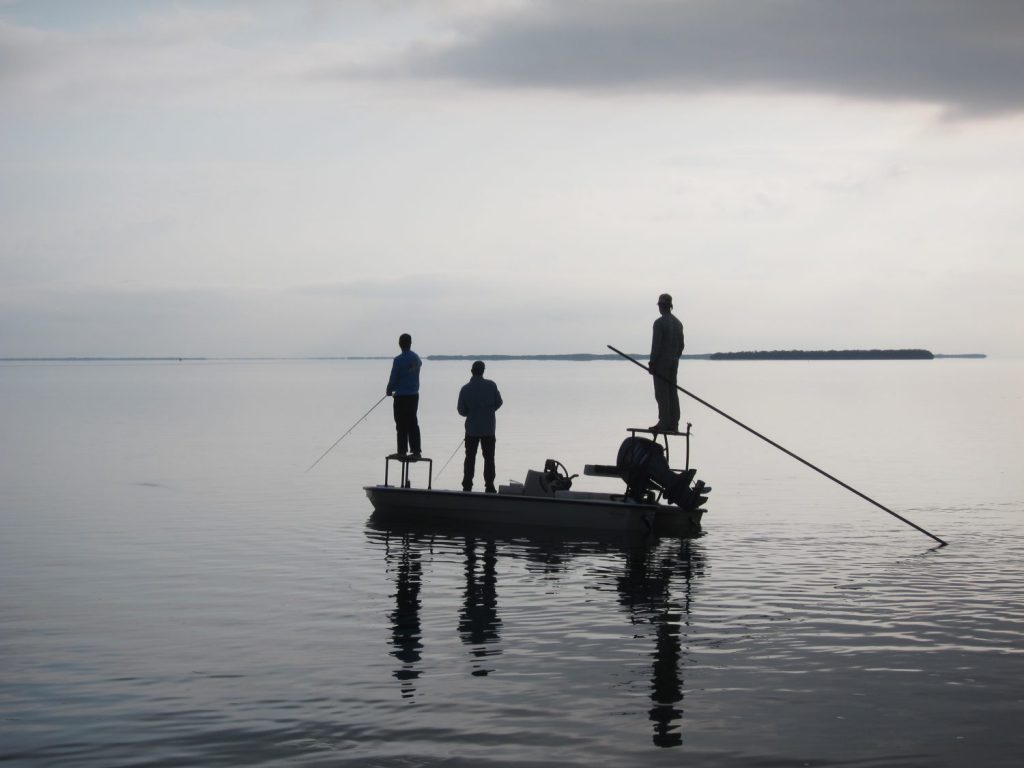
[832,354]
[792,354]
[578,356]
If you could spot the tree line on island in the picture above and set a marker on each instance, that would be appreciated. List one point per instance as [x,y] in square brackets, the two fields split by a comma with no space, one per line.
[831,354]
[791,354]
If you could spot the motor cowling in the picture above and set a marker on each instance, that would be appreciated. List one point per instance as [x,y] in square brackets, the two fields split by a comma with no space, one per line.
[643,467]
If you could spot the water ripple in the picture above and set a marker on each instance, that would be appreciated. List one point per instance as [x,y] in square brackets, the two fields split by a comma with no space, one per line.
[194,611]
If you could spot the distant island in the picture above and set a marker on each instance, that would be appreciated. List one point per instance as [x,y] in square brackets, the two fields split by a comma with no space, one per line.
[832,354]
[791,354]
[577,356]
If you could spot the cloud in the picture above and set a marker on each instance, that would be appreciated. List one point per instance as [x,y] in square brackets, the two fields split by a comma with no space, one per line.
[966,56]
[963,56]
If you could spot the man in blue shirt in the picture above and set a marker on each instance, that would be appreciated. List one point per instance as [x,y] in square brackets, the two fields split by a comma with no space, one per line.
[404,385]
[478,400]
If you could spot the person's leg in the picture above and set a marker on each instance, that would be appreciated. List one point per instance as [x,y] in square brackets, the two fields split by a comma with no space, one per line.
[401,434]
[662,395]
[487,443]
[674,406]
[414,424]
[469,465]
[673,397]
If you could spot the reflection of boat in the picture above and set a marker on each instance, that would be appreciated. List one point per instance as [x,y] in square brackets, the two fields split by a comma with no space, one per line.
[652,580]
[656,498]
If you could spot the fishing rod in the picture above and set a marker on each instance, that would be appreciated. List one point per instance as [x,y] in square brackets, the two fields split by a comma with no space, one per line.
[452,456]
[771,442]
[346,434]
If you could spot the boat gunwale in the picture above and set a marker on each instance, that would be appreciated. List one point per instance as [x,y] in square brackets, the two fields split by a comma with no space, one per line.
[491,498]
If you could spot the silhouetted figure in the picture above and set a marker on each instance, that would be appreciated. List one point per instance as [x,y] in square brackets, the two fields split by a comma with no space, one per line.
[478,400]
[404,384]
[666,346]
[647,591]
[406,634]
[479,623]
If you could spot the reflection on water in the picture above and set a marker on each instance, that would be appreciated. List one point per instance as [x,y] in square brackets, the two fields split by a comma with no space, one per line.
[645,591]
[478,619]
[479,623]
[405,619]
[175,590]
[653,579]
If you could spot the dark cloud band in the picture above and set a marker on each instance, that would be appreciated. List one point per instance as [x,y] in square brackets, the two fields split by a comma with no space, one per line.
[964,54]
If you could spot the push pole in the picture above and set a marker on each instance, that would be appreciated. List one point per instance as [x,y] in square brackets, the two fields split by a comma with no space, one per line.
[788,452]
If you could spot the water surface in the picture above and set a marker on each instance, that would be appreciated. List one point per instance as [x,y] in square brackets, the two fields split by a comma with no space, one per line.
[177,590]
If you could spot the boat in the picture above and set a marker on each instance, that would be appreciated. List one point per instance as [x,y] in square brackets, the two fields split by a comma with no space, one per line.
[656,498]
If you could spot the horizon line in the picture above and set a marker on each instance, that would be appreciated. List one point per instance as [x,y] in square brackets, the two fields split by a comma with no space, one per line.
[567,356]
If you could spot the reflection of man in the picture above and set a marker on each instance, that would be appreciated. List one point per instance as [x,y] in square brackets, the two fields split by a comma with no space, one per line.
[478,400]
[404,384]
[666,347]
[479,623]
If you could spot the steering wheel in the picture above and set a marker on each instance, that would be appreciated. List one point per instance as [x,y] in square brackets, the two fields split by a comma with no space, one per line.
[556,477]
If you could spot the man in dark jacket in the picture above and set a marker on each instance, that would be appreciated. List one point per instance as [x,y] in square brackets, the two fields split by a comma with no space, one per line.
[666,346]
[478,400]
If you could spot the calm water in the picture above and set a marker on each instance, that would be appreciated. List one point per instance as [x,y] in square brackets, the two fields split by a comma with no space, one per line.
[177,590]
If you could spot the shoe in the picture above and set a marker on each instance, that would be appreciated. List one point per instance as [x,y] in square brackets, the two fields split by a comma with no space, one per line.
[467,490]
[416,456]
[397,455]
[656,428]
[490,489]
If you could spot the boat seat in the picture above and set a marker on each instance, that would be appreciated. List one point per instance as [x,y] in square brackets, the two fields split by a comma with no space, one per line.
[648,430]
[406,458]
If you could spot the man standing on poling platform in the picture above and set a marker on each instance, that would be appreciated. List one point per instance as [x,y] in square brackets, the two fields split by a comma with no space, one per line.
[666,346]
[478,400]
[404,385]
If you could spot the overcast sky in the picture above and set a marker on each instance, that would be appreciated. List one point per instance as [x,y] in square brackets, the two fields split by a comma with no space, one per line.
[509,176]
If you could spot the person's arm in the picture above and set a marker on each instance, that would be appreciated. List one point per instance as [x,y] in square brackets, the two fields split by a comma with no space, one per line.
[656,344]
[393,379]
[497,398]
[461,407]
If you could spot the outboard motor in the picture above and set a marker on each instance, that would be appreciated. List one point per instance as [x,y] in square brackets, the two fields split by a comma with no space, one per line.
[643,467]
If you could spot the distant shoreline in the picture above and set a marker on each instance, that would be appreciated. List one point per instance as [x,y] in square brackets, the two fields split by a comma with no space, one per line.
[832,354]
[793,354]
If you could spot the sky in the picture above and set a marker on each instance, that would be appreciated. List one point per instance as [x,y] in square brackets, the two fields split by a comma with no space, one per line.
[313,178]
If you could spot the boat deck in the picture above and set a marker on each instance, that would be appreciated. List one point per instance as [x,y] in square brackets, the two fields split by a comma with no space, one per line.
[544,499]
